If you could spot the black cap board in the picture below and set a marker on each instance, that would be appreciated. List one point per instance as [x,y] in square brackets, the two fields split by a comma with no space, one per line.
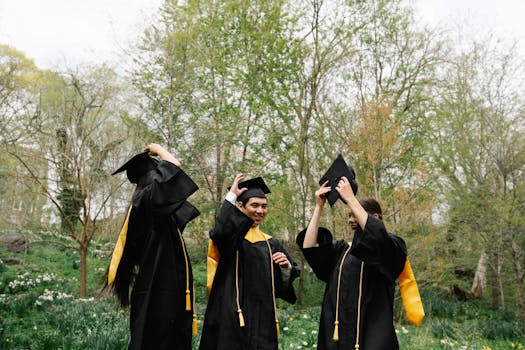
[137,166]
[338,169]
[256,188]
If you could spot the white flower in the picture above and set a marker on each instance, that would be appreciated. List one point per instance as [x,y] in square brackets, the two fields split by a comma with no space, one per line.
[48,277]
[85,300]
[285,328]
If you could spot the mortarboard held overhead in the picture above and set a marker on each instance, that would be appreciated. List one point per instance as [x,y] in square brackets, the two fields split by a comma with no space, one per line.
[338,169]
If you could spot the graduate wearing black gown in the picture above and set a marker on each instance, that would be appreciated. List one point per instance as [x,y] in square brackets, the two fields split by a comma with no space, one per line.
[253,269]
[360,276]
[162,304]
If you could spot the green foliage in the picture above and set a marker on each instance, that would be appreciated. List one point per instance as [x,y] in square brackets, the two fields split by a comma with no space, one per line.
[440,303]
[276,88]
[45,313]
[502,325]
[313,288]
[299,327]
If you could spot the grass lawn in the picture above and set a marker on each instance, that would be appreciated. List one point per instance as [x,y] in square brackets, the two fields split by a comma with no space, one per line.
[40,309]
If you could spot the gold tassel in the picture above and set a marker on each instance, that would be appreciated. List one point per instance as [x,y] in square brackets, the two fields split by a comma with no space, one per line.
[336,331]
[241,318]
[277,327]
[194,325]
[188,300]
[195,322]
[356,347]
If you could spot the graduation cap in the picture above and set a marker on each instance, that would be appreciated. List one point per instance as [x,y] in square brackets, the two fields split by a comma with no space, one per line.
[338,169]
[256,188]
[137,166]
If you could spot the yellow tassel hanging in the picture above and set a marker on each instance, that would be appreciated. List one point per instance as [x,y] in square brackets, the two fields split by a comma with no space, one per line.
[356,347]
[188,300]
[277,327]
[194,325]
[336,331]
[241,318]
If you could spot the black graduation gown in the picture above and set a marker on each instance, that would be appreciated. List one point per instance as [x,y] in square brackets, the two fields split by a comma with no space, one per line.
[384,256]
[221,329]
[158,319]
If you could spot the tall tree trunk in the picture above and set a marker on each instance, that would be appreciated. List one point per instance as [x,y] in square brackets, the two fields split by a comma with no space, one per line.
[83,269]
[480,277]
[494,281]
[517,257]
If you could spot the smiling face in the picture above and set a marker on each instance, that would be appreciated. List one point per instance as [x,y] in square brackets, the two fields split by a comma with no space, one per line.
[255,208]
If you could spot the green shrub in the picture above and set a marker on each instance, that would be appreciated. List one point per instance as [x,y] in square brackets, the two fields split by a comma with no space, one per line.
[445,329]
[503,324]
[46,313]
[3,266]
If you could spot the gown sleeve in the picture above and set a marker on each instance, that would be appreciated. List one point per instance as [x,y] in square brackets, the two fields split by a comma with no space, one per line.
[379,249]
[169,191]
[284,284]
[231,225]
[322,258]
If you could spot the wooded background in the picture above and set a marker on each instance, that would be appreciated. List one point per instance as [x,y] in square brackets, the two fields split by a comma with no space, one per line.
[432,122]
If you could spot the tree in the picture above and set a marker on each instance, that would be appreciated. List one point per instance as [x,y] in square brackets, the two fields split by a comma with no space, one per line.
[277,89]
[19,78]
[393,67]
[206,71]
[77,130]
[479,148]
[19,82]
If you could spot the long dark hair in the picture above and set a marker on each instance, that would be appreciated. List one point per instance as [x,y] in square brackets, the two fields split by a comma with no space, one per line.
[129,262]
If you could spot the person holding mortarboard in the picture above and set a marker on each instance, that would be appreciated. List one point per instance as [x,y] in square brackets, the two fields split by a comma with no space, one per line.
[360,276]
[150,253]
[250,270]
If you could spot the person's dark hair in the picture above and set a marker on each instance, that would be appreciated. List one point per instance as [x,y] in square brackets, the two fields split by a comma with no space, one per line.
[244,200]
[371,205]
[145,180]
[128,266]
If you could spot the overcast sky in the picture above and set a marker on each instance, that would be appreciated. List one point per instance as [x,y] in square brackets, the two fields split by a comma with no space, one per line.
[58,32]
[54,32]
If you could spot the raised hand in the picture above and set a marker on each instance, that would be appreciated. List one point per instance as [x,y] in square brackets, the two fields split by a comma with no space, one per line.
[235,186]
[320,194]
[157,150]
[345,189]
